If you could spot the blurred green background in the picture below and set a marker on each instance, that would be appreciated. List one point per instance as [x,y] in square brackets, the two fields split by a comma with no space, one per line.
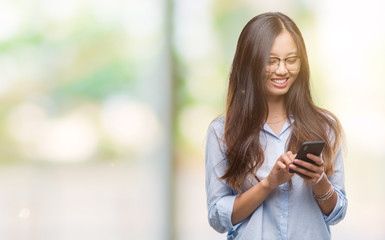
[105,106]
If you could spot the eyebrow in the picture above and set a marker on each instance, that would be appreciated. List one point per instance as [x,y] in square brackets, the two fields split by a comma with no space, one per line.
[290,53]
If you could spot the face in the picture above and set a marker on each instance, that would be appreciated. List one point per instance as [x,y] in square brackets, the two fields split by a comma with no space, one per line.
[279,81]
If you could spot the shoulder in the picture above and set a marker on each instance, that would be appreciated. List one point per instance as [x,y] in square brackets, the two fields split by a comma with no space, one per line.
[216,131]
[218,125]
[330,116]
[327,114]
[333,126]
[215,136]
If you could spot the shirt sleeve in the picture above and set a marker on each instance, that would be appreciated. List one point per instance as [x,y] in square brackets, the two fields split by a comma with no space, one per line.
[220,197]
[338,182]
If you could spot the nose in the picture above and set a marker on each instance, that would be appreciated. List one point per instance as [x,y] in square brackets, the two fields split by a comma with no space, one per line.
[282,70]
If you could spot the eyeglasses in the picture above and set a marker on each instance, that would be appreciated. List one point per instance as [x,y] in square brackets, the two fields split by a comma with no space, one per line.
[291,64]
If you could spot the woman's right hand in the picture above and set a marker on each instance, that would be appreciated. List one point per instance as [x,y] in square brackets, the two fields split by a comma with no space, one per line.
[280,172]
[248,201]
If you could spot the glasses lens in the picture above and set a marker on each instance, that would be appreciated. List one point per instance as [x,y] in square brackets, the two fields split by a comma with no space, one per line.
[291,63]
[272,64]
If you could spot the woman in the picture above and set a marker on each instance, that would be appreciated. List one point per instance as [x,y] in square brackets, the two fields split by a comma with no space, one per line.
[250,192]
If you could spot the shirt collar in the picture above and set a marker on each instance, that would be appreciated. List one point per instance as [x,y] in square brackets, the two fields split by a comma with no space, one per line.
[286,125]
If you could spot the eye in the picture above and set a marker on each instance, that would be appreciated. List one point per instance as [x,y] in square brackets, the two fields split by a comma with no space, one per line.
[291,60]
[273,61]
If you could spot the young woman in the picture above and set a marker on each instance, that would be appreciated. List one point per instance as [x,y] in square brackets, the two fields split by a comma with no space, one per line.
[250,192]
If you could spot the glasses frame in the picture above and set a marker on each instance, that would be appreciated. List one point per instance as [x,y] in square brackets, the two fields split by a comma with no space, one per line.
[285,61]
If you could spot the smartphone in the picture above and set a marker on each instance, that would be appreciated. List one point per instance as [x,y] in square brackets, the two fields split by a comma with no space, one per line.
[314,148]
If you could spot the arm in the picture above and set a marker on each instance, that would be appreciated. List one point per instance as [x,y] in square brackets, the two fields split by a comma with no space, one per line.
[322,187]
[314,175]
[226,209]
[248,201]
[220,197]
[334,208]
[338,182]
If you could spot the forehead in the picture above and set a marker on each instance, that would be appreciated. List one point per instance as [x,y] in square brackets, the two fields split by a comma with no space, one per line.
[283,45]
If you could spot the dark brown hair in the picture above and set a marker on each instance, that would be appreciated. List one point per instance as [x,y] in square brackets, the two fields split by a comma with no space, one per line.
[247,109]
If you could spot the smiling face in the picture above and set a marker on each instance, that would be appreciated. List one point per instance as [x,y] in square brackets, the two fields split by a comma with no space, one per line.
[278,83]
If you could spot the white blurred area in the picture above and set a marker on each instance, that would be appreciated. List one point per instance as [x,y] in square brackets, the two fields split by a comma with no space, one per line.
[70,138]
[63,190]
[96,170]
[131,126]
[353,56]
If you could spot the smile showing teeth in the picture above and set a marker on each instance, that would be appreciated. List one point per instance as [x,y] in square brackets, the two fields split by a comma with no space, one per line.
[279,81]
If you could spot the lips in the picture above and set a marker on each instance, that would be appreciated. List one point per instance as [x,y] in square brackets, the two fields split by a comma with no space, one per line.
[279,82]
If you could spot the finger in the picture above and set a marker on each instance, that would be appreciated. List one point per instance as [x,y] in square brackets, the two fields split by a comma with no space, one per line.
[311,180]
[281,165]
[305,172]
[291,156]
[309,166]
[307,178]
[316,159]
[285,159]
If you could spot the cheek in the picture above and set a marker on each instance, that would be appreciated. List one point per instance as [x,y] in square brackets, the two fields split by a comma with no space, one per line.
[267,76]
[266,80]
[294,77]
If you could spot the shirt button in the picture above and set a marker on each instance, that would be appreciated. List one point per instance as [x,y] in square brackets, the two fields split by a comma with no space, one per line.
[285,187]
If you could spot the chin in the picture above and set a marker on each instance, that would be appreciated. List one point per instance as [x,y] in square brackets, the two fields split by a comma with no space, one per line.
[277,92]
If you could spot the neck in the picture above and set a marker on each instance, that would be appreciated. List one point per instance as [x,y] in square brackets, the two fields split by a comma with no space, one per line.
[277,108]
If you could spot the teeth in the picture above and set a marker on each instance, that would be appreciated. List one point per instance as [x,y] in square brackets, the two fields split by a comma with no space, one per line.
[280,81]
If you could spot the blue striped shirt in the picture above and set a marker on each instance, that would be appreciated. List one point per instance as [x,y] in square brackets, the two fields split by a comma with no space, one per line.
[289,211]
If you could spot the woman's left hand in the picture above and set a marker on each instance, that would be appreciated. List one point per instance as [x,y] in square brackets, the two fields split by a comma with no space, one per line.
[311,173]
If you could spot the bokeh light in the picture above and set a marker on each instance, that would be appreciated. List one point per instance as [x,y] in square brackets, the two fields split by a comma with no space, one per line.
[105,107]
